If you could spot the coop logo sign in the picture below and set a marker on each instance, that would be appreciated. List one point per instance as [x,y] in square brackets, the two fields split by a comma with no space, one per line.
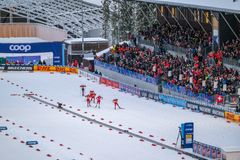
[23,48]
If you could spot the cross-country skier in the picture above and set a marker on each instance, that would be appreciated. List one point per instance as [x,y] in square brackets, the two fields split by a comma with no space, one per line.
[91,92]
[115,102]
[93,97]
[99,98]
[88,100]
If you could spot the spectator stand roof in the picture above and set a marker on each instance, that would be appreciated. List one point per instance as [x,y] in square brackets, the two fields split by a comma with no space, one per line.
[22,40]
[64,14]
[212,5]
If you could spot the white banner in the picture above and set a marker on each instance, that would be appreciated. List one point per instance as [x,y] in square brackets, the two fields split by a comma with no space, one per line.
[89,75]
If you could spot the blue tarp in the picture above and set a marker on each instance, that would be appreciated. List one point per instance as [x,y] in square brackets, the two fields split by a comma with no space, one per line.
[175,101]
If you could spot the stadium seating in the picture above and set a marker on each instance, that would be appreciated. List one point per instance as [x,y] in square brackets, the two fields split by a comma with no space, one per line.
[231,49]
[174,35]
[188,39]
[200,75]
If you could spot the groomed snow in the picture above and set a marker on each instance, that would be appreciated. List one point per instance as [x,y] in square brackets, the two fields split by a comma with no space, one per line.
[152,118]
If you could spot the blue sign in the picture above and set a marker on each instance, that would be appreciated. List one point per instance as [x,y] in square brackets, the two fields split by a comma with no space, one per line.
[2,128]
[26,48]
[130,89]
[173,100]
[31,143]
[187,132]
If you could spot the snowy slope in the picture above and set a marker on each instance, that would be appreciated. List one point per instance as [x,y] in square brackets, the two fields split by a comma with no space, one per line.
[161,121]
[77,136]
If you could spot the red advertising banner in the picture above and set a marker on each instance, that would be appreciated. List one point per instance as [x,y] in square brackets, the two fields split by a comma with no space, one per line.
[109,82]
[103,80]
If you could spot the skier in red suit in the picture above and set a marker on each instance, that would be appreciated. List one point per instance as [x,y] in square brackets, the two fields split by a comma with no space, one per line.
[115,102]
[93,97]
[88,100]
[99,98]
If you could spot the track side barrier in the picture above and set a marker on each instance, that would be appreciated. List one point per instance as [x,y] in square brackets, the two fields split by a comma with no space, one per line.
[173,100]
[205,109]
[206,150]
[16,67]
[232,117]
[89,75]
[109,82]
[56,69]
[129,89]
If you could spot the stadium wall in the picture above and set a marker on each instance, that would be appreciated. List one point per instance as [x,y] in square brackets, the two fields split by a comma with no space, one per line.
[17,30]
[32,30]
[194,105]
[50,34]
[127,80]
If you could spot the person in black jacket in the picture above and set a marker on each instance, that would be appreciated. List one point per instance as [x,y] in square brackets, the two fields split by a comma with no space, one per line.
[40,62]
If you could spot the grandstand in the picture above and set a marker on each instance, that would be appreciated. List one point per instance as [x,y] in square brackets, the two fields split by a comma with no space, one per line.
[206,34]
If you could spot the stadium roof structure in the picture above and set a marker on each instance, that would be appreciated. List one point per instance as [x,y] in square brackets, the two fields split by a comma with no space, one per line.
[212,5]
[65,14]
[79,40]
[21,40]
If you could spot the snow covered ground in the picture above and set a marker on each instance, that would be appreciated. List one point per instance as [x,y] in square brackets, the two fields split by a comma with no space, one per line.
[63,136]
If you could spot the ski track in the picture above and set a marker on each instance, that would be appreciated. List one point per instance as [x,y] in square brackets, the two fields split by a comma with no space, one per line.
[89,112]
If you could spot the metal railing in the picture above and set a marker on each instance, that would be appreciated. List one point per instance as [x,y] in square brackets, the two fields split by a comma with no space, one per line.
[183,51]
[179,50]
[232,61]
[200,98]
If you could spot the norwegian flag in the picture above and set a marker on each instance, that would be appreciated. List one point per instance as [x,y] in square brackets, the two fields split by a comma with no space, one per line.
[219,99]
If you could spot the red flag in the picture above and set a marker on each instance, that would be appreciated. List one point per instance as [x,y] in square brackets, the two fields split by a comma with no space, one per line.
[219,99]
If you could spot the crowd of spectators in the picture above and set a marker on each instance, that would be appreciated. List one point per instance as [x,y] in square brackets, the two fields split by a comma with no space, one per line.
[184,37]
[193,40]
[231,49]
[200,75]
